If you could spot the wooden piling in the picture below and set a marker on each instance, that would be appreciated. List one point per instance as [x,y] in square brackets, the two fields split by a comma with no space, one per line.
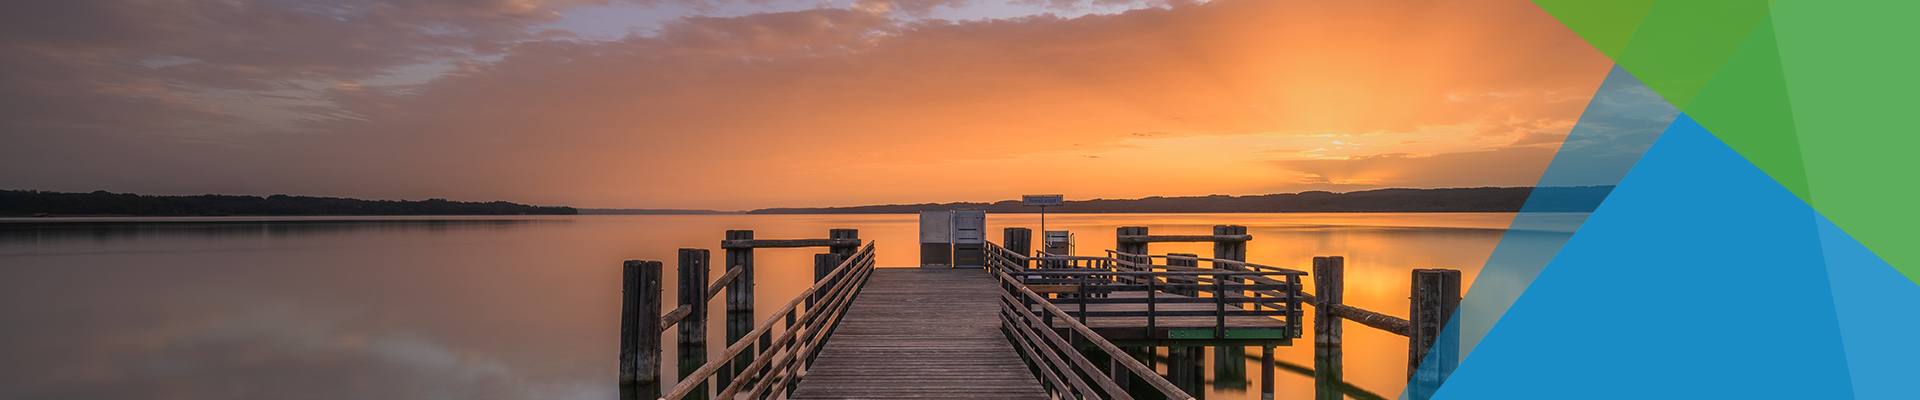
[823,264]
[1230,368]
[1329,284]
[1436,294]
[640,328]
[1126,246]
[1189,262]
[739,304]
[844,251]
[1019,241]
[1177,368]
[1230,249]
[1266,372]
[1329,280]
[693,328]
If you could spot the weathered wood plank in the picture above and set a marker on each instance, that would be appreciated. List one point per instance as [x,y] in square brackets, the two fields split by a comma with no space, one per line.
[921,333]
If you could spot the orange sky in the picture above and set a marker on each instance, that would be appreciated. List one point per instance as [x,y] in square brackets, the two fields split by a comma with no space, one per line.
[840,105]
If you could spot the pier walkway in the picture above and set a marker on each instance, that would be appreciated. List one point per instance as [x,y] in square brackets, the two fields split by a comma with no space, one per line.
[921,333]
[1021,326]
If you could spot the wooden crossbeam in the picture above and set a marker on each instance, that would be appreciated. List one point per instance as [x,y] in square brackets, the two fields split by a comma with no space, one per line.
[771,243]
[1183,238]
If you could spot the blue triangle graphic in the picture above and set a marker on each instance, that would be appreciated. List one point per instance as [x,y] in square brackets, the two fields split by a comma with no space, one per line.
[1699,277]
[1875,305]
[1620,123]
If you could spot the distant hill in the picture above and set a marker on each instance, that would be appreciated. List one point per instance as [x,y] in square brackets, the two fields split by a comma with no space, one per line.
[651,211]
[31,203]
[1486,199]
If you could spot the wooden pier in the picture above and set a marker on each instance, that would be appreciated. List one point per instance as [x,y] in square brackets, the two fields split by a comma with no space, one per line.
[919,333]
[1023,327]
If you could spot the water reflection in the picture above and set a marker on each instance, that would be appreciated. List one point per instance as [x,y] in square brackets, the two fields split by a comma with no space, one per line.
[528,308]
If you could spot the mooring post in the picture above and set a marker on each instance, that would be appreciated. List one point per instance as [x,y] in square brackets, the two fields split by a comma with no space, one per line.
[739,304]
[1329,283]
[1124,246]
[1266,372]
[1436,294]
[1230,250]
[845,252]
[1230,368]
[640,328]
[1172,261]
[693,328]
[1019,241]
[1192,364]
[1177,368]
[823,264]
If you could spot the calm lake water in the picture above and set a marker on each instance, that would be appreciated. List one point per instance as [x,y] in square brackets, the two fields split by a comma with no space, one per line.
[527,308]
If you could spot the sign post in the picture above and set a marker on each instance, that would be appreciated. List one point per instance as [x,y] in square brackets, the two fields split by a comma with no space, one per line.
[1043,200]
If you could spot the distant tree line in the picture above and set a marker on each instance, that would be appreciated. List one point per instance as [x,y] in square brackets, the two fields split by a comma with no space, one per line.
[33,202]
[1485,199]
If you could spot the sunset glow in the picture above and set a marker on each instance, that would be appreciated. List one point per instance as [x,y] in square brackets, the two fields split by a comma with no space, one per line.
[733,105]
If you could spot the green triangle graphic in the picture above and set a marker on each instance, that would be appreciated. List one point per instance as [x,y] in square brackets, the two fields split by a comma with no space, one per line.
[1815,93]
[1850,77]
[1607,25]
[1681,43]
[1745,105]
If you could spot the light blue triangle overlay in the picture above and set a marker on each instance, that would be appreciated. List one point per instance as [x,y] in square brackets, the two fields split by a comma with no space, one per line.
[1879,313]
[1620,123]
[1699,277]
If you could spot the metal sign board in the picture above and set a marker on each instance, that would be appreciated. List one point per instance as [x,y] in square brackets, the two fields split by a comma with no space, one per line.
[1043,200]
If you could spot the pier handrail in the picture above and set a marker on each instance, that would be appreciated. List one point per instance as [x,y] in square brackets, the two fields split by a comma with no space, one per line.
[779,365]
[1045,347]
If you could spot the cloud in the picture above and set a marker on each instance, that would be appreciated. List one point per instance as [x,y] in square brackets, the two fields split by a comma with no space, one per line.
[1515,166]
[765,109]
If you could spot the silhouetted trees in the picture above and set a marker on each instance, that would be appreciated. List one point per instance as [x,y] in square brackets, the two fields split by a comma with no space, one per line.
[33,202]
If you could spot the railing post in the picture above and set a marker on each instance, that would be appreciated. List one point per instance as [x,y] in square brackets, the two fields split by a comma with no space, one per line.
[694,265]
[1329,283]
[640,329]
[1436,293]
[739,304]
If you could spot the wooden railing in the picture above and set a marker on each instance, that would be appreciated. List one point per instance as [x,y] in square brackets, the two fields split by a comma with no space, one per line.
[1064,371]
[809,320]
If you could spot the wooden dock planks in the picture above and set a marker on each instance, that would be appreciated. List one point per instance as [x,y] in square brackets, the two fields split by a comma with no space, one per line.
[921,334]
